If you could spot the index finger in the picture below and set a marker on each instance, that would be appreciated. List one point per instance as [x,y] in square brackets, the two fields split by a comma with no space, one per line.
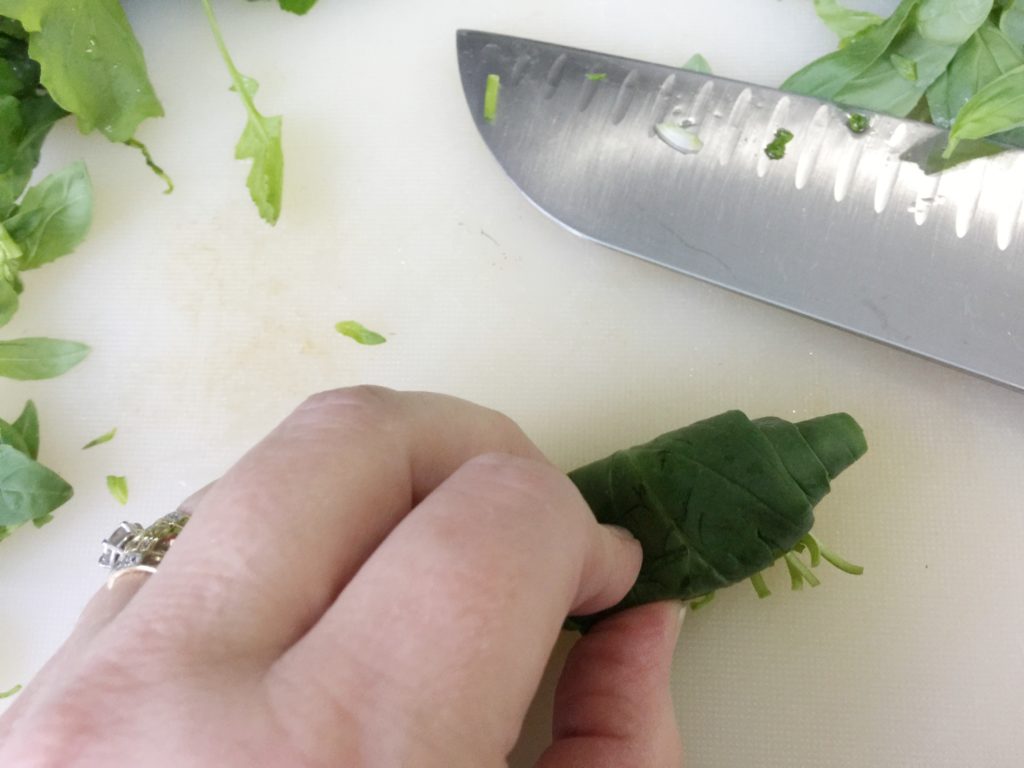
[444,632]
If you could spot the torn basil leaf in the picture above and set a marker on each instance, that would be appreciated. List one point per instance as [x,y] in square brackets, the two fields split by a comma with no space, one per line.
[261,139]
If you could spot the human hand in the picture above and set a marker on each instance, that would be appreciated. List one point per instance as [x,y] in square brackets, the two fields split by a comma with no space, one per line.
[379,582]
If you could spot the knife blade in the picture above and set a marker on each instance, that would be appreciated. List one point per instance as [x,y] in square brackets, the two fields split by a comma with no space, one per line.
[847,228]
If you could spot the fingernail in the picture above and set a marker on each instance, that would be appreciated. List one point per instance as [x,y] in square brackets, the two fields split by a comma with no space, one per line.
[682,614]
[622,533]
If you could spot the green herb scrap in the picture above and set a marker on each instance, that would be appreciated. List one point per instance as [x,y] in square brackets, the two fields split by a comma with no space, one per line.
[957,63]
[858,123]
[104,438]
[776,149]
[720,501]
[491,93]
[29,492]
[118,487]
[697,63]
[10,692]
[596,75]
[359,333]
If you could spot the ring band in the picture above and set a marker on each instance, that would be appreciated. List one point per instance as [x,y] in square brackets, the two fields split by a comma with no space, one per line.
[132,548]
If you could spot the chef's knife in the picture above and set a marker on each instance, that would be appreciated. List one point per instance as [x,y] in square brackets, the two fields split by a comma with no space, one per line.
[846,227]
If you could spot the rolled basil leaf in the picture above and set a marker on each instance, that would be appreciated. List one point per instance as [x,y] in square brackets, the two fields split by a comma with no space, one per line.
[718,501]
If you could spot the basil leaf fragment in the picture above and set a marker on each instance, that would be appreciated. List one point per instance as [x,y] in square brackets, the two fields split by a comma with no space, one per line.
[104,438]
[10,692]
[359,333]
[697,63]
[261,139]
[118,487]
[39,358]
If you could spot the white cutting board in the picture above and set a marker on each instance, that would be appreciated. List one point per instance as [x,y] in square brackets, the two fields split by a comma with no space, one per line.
[208,327]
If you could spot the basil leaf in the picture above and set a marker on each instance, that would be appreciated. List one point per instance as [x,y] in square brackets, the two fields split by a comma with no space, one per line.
[118,487]
[39,358]
[37,115]
[997,107]
[359,333]
[11,435]
[1011,22]
[874,71]
[104,438]
[827,76]
[987,55]
[10,130]
[29,492]
[261,139]
[27,425]
[944,21]
[91,63]
[54,216]
[8,302]
[846,23]
[718,501]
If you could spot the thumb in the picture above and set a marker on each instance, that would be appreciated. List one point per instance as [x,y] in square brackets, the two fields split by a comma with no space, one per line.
[613,704]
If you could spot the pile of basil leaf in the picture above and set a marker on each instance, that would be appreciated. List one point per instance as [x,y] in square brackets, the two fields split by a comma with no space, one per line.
[81,59]
[956,63]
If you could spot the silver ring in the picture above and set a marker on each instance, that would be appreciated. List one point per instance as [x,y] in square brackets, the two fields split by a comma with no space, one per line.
[132,548]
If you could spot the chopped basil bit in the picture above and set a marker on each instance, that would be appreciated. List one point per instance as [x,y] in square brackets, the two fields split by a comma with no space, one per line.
[776,149]
[9,693]
[491,98]
[359,333]
[858,123]
[105,438]
[118,487]
[597,76]
[698,63]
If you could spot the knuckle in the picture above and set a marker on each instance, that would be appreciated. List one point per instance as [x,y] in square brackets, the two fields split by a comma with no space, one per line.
[363,406]
[530,484]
